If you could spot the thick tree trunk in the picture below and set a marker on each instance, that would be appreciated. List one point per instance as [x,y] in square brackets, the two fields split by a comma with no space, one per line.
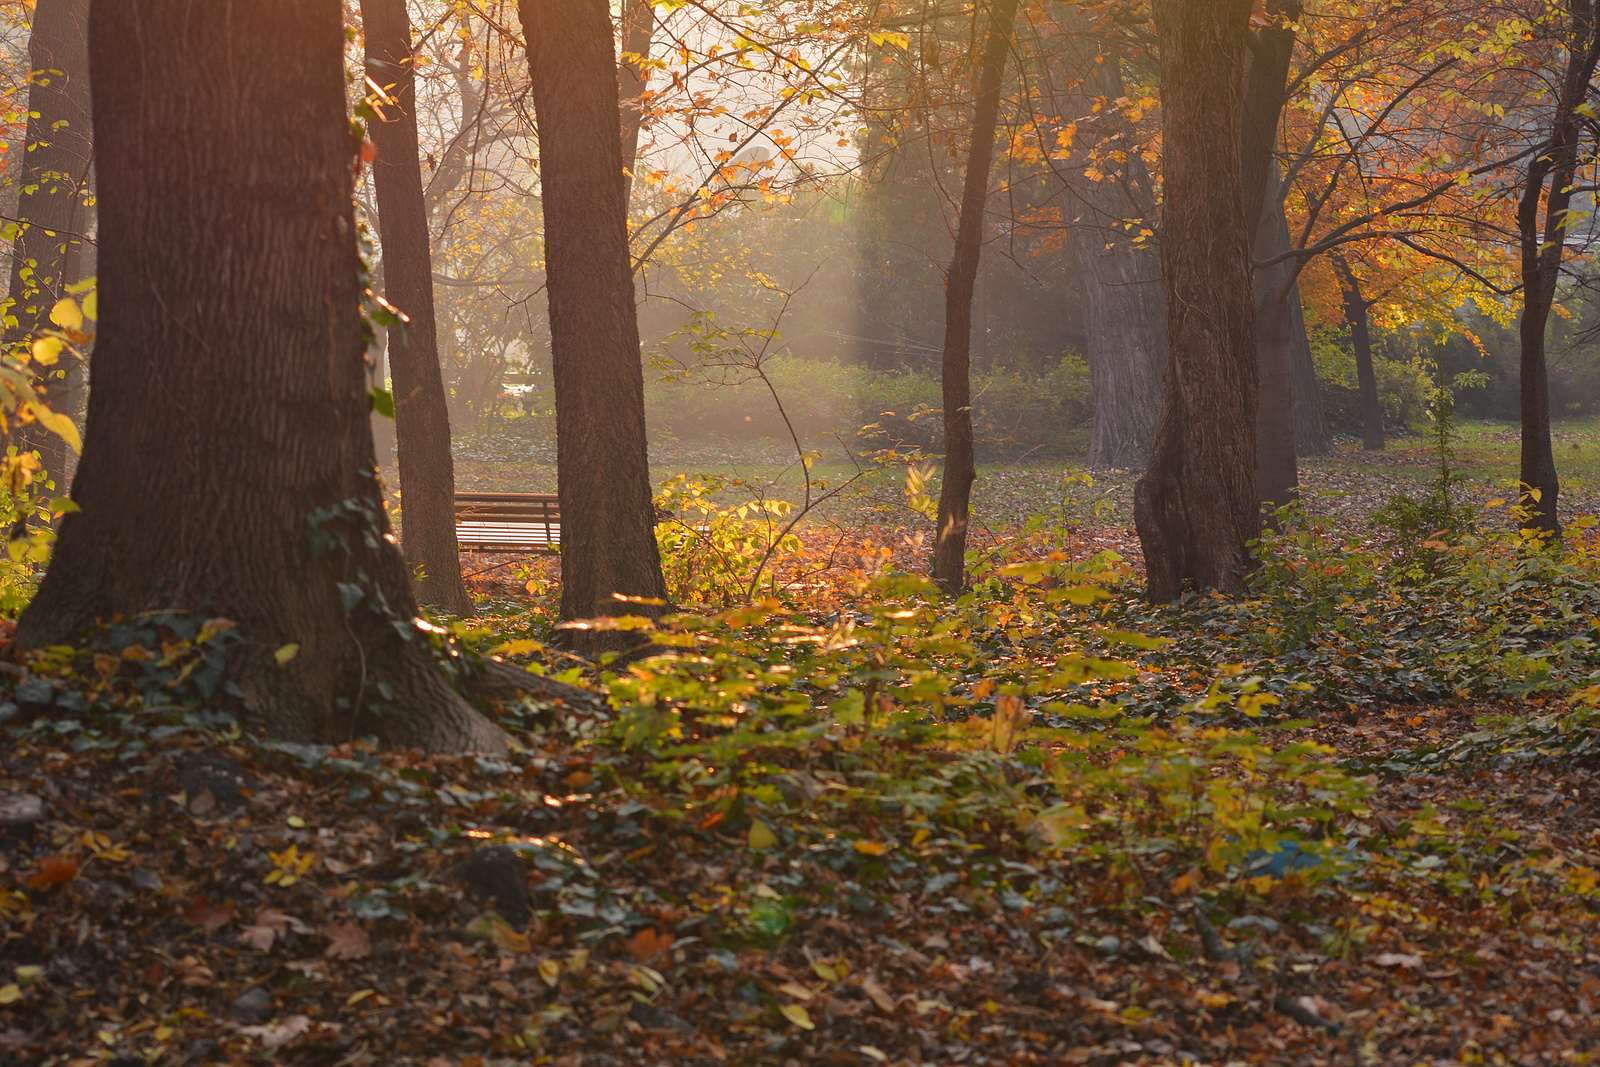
[421,416]
[1195,507]
[608,544]
[1125,335]
[227,465]
[955,488]
[638,24]
[1355,311]
[1541,265]
[1119,278]
[53,185]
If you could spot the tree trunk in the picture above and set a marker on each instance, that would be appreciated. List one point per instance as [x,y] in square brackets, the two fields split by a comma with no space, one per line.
[421,417]
[227,465]
[1125,335]
[1195,507]
[955,488]
[1277,475]
[53,183]
[1312,434]
[1541,266]
[1119,278]
[633,78]
[1355,310]
[608,544]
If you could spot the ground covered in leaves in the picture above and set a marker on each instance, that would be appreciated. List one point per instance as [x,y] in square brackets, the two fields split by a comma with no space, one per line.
[1347,819]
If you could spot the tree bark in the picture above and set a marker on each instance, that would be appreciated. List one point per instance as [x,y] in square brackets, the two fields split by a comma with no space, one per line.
[421,415]
[638,25]
[608,544]
[1277,474]
[1541,254]
[227,465]
[955,488]
[1312,434]
[1355,311]
[53,181]
[1195,507]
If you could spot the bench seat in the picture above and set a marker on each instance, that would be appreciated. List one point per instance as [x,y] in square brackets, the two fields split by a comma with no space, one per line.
[508,522]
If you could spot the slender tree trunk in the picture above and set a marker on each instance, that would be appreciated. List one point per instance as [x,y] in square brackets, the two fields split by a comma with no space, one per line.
[1277,473]
[227,465]
[1355,311]
[1195,507]
[1541,265]
[51,208]
[421,416]
[1312,434]
[983,359]
[608,544]
[955,488]
[638,25]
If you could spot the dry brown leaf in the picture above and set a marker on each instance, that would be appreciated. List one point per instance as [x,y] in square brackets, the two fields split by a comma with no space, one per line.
[878,995]
[347,941]
[275,1037]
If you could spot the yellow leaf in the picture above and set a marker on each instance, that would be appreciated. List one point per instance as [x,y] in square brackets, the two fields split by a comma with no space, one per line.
[286,653]
[825,971]
[57,424]
[796,990]
[297,822]
[91,305]
[761,836]
[550,971]
[793,1012]
[871,848]
[10,994]
[357,998]
[873,1052]
[47,350]
[66,314]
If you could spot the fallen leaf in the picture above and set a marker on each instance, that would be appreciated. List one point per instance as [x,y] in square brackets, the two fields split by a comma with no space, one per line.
[10,993]
[1397,959]
[872,1052]
[550,971]
[879,996]
[871,848]
[798,1015]
[347,941]
[275,1037]
[270,925]
[761,836]
[796,990]
[53,870]
[647,944]
[206,915]
[492,926]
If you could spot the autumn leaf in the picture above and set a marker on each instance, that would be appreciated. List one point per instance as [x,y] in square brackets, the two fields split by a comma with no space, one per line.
[53,870]
[206,915]
[270,925]
[798,1015]
[347,941]
[761,836]
[275,1037]
[647,944]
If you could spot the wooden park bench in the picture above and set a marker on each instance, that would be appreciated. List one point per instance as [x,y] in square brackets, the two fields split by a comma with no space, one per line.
[508,522]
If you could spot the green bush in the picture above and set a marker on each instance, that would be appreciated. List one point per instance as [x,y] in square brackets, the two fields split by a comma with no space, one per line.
[1403,384]
[1015,413]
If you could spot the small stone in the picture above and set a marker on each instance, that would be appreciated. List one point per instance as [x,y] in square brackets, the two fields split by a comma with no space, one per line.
[20,809]
[1109,944]
[498,873]
[229,786]
[255,1004]
[148,880]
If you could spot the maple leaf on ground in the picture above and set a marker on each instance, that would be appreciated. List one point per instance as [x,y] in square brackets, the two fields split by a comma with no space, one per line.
[54,870]
[275,1037]
[270,925]
[206,915]
[347,941]
[647,944]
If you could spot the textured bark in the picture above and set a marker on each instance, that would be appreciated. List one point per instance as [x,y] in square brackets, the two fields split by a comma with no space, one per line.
[608,543]
[1355,311]
[1119,281]
[1313,436]
[227,418]
[421,415]
[1277,475]
[1541,264]
[1195,507]
[955,487]
[53,183]
[638,24]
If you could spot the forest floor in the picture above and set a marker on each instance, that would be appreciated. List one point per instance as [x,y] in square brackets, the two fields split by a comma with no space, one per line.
[698,872]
